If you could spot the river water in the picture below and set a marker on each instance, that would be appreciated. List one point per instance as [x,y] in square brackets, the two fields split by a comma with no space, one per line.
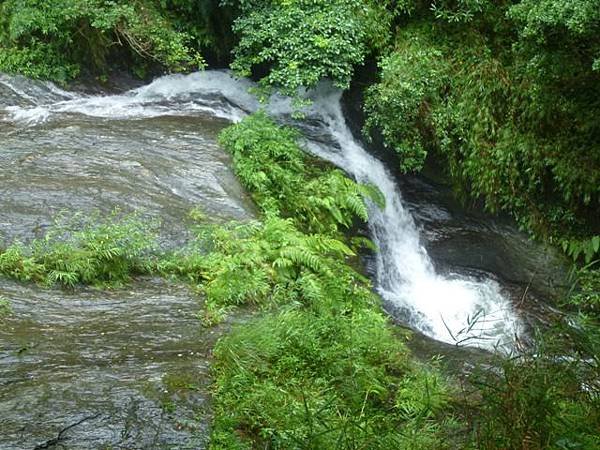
[131,365]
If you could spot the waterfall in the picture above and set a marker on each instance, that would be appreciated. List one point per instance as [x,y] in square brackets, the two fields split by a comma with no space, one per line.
[453,308]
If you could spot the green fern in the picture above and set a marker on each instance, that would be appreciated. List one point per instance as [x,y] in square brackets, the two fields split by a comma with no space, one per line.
[81,250]
[271,164]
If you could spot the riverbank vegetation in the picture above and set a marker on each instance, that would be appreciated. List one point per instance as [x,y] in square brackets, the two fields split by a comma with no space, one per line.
[58,40]
[89,251]
[507,94]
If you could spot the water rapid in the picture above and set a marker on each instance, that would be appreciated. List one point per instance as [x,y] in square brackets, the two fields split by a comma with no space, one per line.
[453,308]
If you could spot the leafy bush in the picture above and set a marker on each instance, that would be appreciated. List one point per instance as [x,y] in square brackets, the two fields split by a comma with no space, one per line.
[509,97]
[587,248]
[57,39]
[412,79]
[301,42]
[92,252]
[267,264]
[546,397]
[306,380]
[284,181]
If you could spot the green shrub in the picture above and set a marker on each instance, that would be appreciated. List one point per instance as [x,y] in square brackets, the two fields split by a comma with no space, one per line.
[546,397]
[267,264]
[412,80]
[90,252]
[305,380]
[303,42]
[508,97]
[57,39]
[284,181]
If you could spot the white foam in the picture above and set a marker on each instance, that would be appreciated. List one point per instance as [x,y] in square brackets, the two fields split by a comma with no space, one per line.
[172,95]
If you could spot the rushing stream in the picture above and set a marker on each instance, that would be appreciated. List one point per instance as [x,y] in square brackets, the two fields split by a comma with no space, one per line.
[130,364]
[107,359]
[452,308]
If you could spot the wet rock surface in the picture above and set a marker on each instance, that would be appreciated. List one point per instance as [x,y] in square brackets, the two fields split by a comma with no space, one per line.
[130,365]
[457,238]
[162,167]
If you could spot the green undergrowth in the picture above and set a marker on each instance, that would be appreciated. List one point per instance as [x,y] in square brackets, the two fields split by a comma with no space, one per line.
[58,39]
[327,376]
[285,182]
[322,367]
[79,250]
[546,397]
[265,264]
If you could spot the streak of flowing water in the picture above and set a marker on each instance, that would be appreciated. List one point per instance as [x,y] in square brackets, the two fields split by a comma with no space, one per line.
[214,93]
[451,308]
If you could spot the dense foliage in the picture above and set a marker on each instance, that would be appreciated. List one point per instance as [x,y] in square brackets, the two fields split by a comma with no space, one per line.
[57,39]
[536,400]
[265,264]
[508,93]
[339,380]
[284,181]
[296,44]
[84,251]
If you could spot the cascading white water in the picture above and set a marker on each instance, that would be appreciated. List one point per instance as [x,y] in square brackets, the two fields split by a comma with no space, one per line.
[454,309]
[212,92]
